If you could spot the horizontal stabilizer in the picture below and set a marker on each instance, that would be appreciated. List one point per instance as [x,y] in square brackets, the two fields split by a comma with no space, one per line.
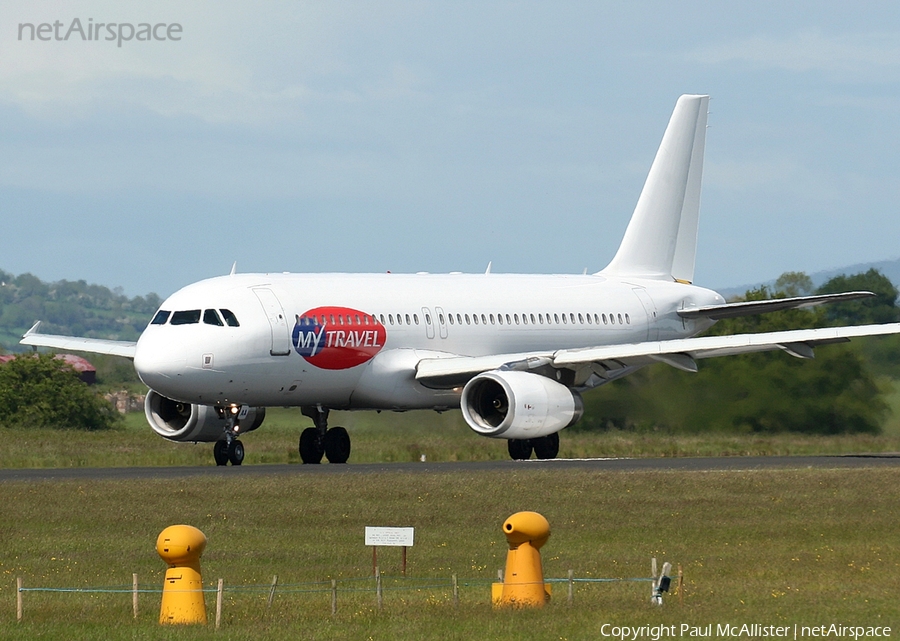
[76,344]
[750,308]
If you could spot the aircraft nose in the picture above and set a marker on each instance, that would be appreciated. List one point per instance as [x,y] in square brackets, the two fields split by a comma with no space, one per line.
[157,363]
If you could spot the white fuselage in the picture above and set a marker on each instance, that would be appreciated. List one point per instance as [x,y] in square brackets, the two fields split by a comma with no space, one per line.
[352,341]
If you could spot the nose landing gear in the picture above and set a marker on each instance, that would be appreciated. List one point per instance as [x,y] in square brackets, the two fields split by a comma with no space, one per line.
[229,449]
[317,441]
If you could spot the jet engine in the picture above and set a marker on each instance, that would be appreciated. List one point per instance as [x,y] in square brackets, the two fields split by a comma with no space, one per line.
[518,405]
[179,421]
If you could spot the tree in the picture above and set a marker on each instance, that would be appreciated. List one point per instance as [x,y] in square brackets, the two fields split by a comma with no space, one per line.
[794,284]
[880,309]
[764,392]
[37,390]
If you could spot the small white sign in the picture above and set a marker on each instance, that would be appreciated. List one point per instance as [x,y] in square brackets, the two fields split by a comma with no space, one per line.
[394,536]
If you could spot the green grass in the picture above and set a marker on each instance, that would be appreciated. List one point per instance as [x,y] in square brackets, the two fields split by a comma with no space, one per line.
[770,547]
[389,437]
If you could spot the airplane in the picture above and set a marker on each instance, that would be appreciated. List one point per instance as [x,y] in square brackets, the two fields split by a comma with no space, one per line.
[513,351]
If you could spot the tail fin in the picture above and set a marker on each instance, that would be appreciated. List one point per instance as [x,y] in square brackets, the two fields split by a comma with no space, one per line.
[661,239]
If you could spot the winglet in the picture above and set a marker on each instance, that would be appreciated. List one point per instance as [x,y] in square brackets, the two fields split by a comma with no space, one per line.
[34,329]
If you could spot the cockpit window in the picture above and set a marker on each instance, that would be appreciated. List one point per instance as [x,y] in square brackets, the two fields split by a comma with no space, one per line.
[230,319]
[188,317]
[161,317]
[211,317]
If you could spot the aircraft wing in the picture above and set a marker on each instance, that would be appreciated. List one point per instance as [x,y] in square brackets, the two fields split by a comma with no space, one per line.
[76,344]
[606,361]
[752,307]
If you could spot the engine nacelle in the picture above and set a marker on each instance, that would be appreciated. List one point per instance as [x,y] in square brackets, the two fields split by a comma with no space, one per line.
[518,405]
[179,421]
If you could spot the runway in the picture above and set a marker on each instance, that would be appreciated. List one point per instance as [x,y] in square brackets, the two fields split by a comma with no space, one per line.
[599,465]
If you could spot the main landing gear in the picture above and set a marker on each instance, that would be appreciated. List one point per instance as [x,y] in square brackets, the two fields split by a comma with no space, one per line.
[545,447]
[230,449]
[316,441]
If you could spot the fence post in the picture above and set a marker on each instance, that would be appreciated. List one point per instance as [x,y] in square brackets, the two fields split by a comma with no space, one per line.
[653,581]
[333,597]
[571,594]
[272,592]
[219,590]
[378,595]
[455,591]
[680,585]
[134,594]
[19,610]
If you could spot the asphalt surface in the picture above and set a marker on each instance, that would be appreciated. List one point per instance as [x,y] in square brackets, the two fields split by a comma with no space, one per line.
[704,464]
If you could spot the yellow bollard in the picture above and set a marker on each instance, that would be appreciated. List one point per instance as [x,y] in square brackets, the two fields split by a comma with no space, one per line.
[523,582]
[182,599]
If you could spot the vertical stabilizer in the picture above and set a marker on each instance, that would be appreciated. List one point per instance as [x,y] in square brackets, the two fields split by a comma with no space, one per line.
[661,239]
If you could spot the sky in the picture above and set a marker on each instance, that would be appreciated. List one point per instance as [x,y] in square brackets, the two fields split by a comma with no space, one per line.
[438,136]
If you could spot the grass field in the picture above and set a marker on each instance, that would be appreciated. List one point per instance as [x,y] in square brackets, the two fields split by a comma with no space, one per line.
[768,547]
[390,436]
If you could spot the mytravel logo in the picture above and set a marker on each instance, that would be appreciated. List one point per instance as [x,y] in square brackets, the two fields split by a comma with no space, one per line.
[337,337]
[117,32]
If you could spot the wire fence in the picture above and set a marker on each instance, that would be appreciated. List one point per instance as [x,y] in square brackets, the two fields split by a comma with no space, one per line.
[376,585]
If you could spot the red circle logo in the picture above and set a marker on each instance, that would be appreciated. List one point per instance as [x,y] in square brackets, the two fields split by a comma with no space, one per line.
[337,337]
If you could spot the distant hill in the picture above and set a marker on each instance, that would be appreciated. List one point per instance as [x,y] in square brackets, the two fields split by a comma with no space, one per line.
[69,307]
[890,268]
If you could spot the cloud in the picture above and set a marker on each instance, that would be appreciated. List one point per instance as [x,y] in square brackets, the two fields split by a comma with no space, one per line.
[870,55]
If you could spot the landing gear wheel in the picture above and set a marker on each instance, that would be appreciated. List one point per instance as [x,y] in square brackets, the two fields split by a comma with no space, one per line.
[236,452]
[220,452]
[311,449]
[546,447]
[519,449]
[337,445]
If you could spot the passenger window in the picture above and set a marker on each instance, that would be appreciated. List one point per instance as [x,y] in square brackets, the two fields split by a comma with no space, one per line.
[189,317]
[382,319]
[475,318]
[416,319]
[161,317]
[391,319]
[211,317]
[620,319]
[580,319]
[499,318]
